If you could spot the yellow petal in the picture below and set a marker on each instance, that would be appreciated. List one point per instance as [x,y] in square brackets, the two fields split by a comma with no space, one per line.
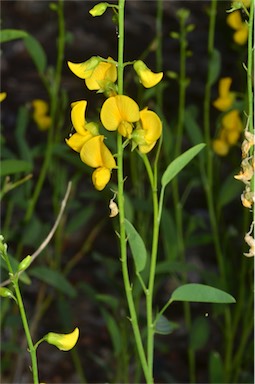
[145,148]
[152,125]
[43,122]
[147,77]
[78,116]
[220,147]
[76,141]
[104,72]
[85,69]
[240,37]
[101,177]
[2,96]
[224,86]
[231,120]
[117,109]
[95,154]
[234,20]
[40,107]
[64,342]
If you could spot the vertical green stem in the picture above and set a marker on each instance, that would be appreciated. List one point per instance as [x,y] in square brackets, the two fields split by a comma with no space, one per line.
[23,316]
[54,92]
[122,234]
[250,68]
[176,195]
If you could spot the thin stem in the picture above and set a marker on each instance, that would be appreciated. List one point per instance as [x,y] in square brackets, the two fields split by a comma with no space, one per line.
[54,91]
[23,316]
[250,66]
[122,233]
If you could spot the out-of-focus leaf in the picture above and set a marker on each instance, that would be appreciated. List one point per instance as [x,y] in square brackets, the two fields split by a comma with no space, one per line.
[214,66]
[199,333]
[230,190]
[216,372]
[11,34]
[36,52]
[55,279]
[164,327]
[12,166]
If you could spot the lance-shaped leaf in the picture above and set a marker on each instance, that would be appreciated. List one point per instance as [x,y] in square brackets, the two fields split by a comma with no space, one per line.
[179,163]
[136,245]
[201,293]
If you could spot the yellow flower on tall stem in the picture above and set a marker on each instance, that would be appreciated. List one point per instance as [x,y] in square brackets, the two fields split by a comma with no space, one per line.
[98,75]
[146,76]
[226,98]
[84,130]
[95,154]
[148,130]
[234,20]
[119,113]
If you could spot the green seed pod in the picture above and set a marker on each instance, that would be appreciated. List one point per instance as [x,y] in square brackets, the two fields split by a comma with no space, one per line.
[24,264]
[98,9]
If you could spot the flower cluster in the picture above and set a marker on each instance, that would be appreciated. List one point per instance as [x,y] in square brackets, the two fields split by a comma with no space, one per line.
[231,124]
[235,21]
[118,113]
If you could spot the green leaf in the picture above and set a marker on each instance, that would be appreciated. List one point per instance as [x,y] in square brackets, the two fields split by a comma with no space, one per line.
[230,190]
[164,327]
[191,125]
[36,52]
[11,34]
[137,246]
[214,66]
[179,163]
[199,333]
[201,293]
[12,166]
[114,331]
[215,368]
[55,279]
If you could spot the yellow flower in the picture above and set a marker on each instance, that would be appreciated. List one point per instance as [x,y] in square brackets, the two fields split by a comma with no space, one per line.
[146,76]
[85,69]
[84,130]
[148,130]
[103,76]
[2,96]
[98,75]
[226,98]
[234,20]
[95,154]
[220,147]
[64,342]
[40,116]
[118,113]
[231,128]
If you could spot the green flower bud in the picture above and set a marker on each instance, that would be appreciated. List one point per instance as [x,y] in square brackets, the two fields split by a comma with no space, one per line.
[24,264]
[98,9]
[5,292]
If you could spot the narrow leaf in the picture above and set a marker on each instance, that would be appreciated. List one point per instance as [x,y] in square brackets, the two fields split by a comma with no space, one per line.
[136,245]
[214,66]
[199,333]
[11,34]
[53,278]
[179,163]
[201,293]
[12,166]
[36,52]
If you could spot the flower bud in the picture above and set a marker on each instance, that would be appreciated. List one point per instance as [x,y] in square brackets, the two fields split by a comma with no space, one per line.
[24,264]
[98,9]
[64,342]
[6,292]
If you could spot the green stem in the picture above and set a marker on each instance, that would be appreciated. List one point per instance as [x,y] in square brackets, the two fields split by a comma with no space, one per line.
[250,68]
[153,263]
[54,92]
[122,234]
[176,194]
[31,348]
